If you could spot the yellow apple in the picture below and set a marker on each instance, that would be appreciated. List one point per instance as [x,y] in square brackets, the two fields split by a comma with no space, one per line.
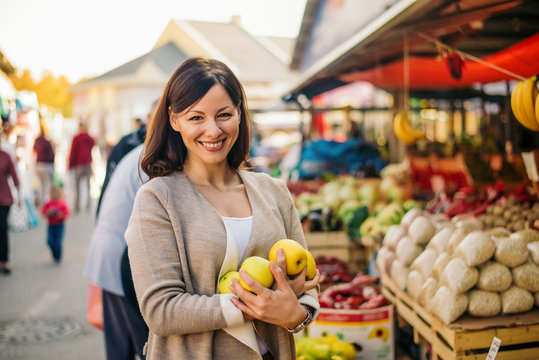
[311,266]
[296,256]
[258,268]
[226,281]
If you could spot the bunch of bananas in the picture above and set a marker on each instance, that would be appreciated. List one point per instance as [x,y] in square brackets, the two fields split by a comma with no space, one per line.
[404,131]
[525,103]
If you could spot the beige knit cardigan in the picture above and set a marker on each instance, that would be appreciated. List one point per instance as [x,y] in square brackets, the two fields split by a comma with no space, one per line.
[177,243]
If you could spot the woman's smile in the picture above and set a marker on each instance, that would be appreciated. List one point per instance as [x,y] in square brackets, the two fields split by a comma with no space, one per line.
[213,146]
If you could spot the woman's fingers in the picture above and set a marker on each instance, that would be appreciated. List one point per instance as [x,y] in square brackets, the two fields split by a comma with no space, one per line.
[298,283]
[281,259]
[248,314]
[278,274]
[254,285]
[312,284]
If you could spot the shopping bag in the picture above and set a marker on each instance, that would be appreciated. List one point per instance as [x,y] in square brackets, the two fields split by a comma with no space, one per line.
[33,217]
[95,306]
[18,219]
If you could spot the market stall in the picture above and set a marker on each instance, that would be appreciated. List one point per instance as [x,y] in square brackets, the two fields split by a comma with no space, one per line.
[462,128]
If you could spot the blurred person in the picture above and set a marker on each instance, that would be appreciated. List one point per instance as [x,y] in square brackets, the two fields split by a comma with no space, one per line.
[199,216]
[44,166]
[138,123]
[7,170]
[125,145]
[56,211]
[80,161]
[106,266]
[124,329]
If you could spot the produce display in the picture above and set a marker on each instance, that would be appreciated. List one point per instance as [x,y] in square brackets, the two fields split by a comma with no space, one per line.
[344,290]
[332,270]
[328,347]
[362,293]
[383,217]
[494,206]
[456,265]
[344,202]
[347,203]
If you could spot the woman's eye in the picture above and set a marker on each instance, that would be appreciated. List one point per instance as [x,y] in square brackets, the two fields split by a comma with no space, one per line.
[195,117]
[225,115]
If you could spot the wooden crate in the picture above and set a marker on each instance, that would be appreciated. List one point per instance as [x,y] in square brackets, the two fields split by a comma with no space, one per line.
[517,342]
[337,244]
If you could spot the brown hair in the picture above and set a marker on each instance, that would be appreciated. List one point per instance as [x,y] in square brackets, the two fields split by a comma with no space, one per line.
[164,148]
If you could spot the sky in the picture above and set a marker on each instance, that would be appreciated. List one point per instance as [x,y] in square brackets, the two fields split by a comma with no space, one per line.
[86,38]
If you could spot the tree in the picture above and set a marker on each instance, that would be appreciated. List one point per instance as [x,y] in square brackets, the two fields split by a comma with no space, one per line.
[5,65]
[51,91]
[23,82]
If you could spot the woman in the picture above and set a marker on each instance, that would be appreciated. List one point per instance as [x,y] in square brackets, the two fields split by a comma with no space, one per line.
[199,217]
[7,170]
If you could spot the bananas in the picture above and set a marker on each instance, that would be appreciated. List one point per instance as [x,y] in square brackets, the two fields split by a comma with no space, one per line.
[404,131]
[525,103]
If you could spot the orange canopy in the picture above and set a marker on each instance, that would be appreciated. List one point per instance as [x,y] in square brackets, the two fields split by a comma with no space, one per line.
[431,73]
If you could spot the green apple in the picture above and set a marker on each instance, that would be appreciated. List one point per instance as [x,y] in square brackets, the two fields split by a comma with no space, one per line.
[258,268]
[296,256]
[226,281]
[311,266]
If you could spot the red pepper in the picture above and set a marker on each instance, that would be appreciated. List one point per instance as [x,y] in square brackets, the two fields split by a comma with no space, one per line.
[457,207]
[364,279]
[479,209]
[374,303]
[325,301]
[370,292]
[355,301]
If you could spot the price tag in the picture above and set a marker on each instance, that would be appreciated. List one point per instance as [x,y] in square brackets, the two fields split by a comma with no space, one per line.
[531,166]
[493,348]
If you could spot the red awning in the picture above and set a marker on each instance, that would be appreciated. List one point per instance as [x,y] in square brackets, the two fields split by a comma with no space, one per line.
[431,73]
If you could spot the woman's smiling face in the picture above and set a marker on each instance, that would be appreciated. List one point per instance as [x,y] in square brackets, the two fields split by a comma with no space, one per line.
[209,128]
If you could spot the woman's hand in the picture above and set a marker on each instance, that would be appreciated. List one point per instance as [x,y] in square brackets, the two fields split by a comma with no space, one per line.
[279,305]
[298,283]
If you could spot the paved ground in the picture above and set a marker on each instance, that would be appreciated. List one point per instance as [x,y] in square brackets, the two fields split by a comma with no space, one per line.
[43,305]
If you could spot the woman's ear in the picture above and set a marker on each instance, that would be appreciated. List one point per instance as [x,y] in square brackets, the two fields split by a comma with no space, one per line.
[173,120]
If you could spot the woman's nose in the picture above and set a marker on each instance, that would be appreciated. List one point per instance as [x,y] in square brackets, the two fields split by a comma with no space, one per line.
[212,127]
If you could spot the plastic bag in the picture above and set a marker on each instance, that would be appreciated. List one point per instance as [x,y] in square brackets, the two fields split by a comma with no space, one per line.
[424,263]
[527,276]
[476,248]
[18,219]
[414,283]
[448,306]
[511,252]
[533,248]
[494,276]
[428,290]
[516,300]
[459,277]
[484,303]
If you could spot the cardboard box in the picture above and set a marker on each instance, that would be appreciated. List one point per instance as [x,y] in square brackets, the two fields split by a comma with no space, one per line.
[372,330]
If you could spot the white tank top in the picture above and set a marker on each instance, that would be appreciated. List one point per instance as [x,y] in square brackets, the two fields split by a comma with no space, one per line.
[241,229]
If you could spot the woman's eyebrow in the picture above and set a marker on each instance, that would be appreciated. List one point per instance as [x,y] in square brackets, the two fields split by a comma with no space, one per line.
[202,112]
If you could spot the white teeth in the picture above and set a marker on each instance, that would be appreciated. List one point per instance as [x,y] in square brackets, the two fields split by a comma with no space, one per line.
[212,145]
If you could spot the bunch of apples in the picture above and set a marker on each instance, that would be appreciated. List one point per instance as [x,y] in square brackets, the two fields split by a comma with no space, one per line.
[297,258]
